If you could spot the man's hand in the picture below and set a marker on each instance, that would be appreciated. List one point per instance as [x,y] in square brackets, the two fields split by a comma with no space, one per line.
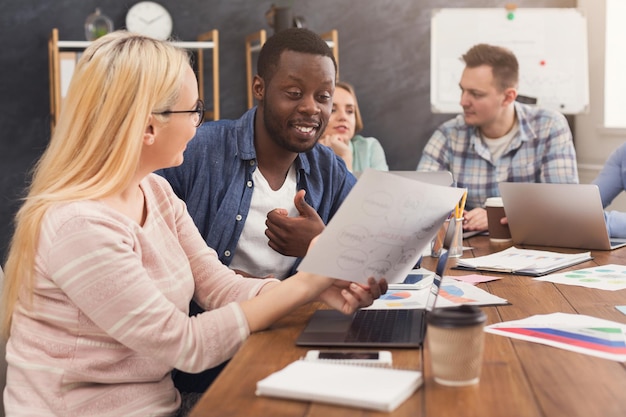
[290,236]
[475,220]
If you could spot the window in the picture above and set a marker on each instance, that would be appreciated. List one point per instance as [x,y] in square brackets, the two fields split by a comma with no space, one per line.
[615,65]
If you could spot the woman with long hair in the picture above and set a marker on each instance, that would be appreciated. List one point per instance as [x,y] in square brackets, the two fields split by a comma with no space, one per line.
[105,258]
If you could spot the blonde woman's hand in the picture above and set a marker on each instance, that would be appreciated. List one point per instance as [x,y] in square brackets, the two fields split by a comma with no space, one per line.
[347,296]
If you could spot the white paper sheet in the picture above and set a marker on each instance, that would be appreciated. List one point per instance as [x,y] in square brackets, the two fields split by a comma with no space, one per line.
[452,293]
[606,277]
[575,332]
[381,229]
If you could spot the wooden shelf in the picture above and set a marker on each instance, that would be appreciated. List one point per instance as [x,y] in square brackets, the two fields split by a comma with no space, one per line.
[205,41]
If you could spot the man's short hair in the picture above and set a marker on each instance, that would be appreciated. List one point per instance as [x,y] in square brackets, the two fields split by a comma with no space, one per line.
[292,39]
[502,61]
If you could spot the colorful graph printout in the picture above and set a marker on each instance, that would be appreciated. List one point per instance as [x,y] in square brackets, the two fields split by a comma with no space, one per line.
[401,299]
[455,292]
[574,332]
[607,277]
[452,293]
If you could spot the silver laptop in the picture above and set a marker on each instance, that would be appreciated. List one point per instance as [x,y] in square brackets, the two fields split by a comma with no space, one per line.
[372,327]
[443,178]
[561,215]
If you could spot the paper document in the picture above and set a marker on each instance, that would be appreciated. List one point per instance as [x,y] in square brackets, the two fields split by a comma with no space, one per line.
[417,279]
[451,293]
[605,277]
[523,261]
[381,229]
[576,332]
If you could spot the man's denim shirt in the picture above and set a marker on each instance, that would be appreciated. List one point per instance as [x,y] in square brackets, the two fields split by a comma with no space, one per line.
[215,180]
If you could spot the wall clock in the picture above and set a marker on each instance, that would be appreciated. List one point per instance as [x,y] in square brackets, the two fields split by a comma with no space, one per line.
[150,19]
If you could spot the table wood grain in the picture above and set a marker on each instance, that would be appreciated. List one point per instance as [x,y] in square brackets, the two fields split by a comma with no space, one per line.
[518,378]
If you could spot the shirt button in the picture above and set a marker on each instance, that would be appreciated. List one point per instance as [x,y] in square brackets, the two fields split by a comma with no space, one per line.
[238,217]
[249,184]
[252,162]
[227,253]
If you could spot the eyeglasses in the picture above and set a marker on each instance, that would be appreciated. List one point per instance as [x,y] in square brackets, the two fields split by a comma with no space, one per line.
[198,113]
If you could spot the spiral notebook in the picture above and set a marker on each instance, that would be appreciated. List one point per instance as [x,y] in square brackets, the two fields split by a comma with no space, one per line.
[382,389]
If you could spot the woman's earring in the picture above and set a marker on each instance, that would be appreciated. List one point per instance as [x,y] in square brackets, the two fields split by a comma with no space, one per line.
[150,141]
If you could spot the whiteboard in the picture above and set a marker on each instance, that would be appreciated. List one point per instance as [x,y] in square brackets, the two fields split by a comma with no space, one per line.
[549,43]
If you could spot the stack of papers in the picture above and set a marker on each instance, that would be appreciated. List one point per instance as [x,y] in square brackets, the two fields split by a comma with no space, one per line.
[373,388]
[417,279]
[523,261]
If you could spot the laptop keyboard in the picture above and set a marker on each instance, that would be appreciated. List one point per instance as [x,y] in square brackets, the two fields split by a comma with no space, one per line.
[381,326]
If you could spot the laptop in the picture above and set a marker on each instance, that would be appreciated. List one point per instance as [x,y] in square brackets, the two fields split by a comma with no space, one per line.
[561,215]
[389,328]
[443,178]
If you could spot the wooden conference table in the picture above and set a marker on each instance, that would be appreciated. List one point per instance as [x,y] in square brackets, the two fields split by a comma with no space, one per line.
[518,378]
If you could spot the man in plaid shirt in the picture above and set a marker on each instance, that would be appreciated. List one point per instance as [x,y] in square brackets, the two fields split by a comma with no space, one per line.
[497,139]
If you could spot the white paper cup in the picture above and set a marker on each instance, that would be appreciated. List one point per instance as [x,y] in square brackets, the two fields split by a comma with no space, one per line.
[456,342]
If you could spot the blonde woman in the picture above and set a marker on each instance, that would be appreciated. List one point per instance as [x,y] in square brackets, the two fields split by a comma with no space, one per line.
[105,259]
[341,134]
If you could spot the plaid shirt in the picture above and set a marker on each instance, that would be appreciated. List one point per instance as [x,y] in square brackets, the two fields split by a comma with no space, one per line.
[541,151]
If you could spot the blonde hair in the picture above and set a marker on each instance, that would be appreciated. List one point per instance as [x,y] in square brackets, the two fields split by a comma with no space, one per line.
[94,152]
[358,125]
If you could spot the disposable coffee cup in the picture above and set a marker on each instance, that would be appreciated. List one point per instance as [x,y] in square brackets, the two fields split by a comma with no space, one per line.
[455,338]
[498,232]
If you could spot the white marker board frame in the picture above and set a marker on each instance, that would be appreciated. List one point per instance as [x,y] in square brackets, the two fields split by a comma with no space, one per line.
[549,43]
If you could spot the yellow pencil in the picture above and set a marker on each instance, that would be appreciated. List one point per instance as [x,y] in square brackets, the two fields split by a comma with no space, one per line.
[461,207]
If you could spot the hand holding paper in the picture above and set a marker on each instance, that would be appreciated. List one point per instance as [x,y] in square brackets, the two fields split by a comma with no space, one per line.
[381,229]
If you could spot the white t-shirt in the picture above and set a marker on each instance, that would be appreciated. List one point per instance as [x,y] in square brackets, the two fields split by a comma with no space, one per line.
[253,254]
[497,146]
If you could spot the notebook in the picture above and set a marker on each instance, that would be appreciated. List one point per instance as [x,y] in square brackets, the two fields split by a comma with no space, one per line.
[373,327]
[560,215]
[381,389]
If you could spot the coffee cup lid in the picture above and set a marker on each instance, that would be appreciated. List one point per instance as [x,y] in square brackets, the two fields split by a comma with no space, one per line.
[494,202]
[457,316]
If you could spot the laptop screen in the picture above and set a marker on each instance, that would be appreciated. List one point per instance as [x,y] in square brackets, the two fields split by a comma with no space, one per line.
[558,215]
[434,289]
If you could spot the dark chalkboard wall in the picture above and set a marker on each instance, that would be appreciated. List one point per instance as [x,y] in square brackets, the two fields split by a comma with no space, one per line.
[384,49]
